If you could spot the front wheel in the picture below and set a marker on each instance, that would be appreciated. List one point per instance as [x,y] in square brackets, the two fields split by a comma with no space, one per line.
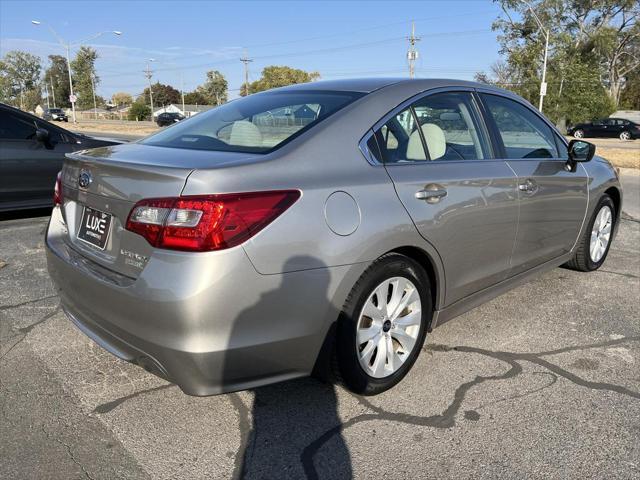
[383,325]
[578,133]
[625,136]
[594,245]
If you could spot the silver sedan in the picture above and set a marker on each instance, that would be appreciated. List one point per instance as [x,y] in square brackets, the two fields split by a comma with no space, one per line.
[323,227]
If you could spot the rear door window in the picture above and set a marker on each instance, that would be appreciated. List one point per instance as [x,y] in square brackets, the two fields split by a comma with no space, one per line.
[524,134]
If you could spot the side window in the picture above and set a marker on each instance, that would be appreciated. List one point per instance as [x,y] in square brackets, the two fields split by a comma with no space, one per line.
[524,134]
[450,127]
[399,139]
[13,127]
[563,151]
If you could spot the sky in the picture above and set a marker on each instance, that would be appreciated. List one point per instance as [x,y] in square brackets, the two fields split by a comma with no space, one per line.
[339,39]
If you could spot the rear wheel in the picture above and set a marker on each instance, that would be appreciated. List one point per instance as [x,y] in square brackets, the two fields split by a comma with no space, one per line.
[625,136]
[596,240]
[578,133]
[383,325]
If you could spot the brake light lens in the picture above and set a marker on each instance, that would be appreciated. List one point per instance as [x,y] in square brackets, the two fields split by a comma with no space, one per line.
[57,191]
[210,222]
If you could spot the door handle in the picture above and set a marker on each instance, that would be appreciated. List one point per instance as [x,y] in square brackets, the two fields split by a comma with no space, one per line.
[431,193]
[529,186]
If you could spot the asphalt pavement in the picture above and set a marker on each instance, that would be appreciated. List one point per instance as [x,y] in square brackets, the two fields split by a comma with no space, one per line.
[542,382]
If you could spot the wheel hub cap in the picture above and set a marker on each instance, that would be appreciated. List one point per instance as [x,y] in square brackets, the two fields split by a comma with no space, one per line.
[388,327]
[600,234]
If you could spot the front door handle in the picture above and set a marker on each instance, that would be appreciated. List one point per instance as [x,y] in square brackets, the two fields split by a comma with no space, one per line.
[528,186]
[432,193]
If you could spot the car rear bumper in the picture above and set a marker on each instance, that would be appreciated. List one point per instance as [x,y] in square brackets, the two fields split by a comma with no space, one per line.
[207,322]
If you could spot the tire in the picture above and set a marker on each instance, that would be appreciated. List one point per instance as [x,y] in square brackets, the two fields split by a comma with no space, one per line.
[584,260]
[579,133]
[625,136]
[407,279]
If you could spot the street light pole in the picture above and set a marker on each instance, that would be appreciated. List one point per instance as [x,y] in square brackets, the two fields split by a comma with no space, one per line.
[67,46]
[543,84]
[93,90]
[148,73]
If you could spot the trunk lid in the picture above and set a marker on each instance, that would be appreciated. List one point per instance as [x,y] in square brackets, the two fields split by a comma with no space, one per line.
[110,180]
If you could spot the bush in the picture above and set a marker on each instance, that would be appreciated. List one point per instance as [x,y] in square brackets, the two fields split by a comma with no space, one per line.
[139,111]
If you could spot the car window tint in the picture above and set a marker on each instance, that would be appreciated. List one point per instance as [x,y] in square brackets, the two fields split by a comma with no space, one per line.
[399,139]
[524,134]
[257,123]
[563,151]
[13,127]
[449,127]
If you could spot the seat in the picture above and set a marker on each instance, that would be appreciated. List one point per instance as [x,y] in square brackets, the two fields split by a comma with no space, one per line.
[245,134]
[436,143]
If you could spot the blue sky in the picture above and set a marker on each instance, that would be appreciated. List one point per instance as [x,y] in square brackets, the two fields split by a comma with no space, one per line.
[187,38]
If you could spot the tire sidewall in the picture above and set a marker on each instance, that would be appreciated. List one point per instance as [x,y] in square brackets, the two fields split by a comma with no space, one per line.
[353,374]
[591,265]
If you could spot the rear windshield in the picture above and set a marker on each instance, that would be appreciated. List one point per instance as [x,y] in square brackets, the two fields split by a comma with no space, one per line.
[256,124]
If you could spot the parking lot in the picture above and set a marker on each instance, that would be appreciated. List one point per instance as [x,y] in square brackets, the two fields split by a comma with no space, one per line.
[542,382]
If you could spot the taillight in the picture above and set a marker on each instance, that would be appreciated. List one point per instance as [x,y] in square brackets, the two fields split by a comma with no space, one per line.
[57,190]
[208,222]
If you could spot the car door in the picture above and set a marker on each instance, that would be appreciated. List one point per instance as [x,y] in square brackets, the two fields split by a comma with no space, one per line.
[436,151]
[28,167]
[553,201]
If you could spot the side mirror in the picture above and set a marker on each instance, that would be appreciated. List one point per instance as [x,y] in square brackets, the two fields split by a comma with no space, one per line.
[42,135]
[579,151]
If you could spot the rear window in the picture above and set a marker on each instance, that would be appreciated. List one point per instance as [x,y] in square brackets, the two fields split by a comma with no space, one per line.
[255,124]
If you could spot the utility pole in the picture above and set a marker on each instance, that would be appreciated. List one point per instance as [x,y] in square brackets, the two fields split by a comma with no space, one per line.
[246,60]
[149,73]
[53,92]
[412,53]
[182,93]
[93,89]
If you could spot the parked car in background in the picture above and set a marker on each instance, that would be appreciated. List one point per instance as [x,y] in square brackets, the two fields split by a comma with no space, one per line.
[168,118]
[242,248]
[31,155]
[607,127]
[55,114]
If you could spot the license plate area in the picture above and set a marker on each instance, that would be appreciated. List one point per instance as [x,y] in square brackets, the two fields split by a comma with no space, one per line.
[95,227]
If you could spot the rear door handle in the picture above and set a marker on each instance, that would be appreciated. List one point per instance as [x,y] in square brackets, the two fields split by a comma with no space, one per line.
[528,186]
[431,193]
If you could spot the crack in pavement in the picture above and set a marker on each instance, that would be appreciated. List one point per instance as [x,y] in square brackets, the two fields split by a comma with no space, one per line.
[447,418]
[622,274]
[69,452]
[244,426]
[25,330]
[28,302]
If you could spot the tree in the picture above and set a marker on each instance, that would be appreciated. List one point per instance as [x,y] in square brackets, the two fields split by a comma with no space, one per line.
[83,69]
[195,98]
[630,98]
[57,79]
[20,79]
[214,89]
[280,76]
[162,95]
[594,47]
[121,98]
[139,110]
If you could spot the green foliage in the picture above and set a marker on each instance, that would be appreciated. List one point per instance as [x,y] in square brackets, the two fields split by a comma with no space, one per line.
[195,98]
[20,80]
[58,75]
[630,99]
[214,89]
[139,110]
[162,95]
[280,76]
[593,54]
[83,69]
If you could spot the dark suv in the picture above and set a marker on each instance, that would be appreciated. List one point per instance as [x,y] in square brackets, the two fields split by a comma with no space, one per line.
[55,114]
[168,118]
[607,127]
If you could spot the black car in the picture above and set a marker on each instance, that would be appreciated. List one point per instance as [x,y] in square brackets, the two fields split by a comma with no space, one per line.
[56,114]
[608,127]
[168,118]
[31,155]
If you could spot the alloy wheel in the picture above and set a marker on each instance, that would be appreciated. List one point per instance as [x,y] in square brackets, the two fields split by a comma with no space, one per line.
[578,134]
[600,234]
[625,136]
[388,327]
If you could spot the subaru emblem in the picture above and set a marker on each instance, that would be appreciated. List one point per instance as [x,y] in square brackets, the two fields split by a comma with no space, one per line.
[85,179]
